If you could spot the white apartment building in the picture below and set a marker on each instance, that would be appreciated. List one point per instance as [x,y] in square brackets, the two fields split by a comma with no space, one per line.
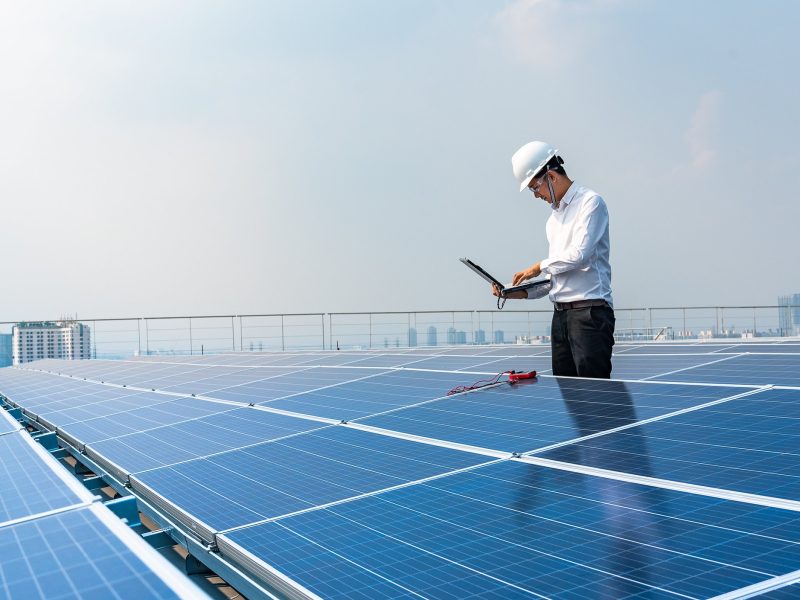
[50,339]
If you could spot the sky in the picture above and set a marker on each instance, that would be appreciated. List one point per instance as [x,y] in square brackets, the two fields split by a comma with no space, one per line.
[239,157]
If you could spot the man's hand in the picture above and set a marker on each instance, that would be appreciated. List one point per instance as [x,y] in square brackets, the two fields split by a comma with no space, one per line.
[513,295]
[528,273]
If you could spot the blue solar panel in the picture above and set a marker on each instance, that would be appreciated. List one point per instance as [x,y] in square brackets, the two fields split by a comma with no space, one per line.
[287,385]
[28,484]
[276,478]
[675,348]
[749,445]
[140,419]
[75,554]
[379,393]
[754,369]
[90,407]
[214,379]
[512,530]
[632,366]
[197,438]
[530,415]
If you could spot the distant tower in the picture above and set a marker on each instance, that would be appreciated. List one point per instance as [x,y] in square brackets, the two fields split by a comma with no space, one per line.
[51,339]
[789,314]
[432,341]
[412,337]
[499,336]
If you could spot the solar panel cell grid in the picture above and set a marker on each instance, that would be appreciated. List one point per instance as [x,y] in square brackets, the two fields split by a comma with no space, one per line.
[74,555]
[531,415]
[307,470]
[29,485]
[505,529]
[197,438]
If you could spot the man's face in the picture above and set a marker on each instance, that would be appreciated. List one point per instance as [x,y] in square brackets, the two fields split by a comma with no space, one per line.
[539,187]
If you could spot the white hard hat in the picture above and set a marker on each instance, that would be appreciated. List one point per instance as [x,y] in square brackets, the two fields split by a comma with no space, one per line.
[529,160]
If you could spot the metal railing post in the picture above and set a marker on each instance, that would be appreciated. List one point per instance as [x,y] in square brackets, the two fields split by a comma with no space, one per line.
[370,330]
[241,335]
[684,334]
[283,338]
[233,335]
[139,334]
[147,335]
[322,327]
[191,349]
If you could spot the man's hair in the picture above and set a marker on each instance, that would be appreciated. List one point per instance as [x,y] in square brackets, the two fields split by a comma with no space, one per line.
[555,164]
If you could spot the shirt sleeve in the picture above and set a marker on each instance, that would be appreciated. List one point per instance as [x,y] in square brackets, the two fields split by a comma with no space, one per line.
[590,225]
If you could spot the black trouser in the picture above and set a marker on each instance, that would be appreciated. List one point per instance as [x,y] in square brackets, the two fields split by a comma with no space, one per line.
[581,341]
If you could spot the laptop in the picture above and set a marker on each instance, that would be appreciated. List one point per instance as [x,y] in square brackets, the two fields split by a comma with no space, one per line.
[535,288]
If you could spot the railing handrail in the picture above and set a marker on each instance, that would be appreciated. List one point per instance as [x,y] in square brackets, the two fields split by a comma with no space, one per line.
[393,312]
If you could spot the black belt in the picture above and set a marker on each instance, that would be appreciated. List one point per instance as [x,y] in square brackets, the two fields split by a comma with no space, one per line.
[579,304]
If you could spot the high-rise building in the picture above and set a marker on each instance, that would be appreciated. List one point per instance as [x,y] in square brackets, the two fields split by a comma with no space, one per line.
[480,336]
[432,338]
[499,336]
[50,339]
[451,336]
[461,337]
[789,314]
[412,337]
[6,349]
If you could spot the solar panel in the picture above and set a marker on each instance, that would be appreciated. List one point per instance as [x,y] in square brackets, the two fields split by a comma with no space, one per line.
[531,415]
[114,425]
[285,385]
[749,445]
[512,530]
[84,553]
[374,393]
[275,478]
[767,369]
[30,484]
[194,438]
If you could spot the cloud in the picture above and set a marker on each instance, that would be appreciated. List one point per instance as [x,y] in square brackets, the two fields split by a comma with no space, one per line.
[550,32]
[701,133]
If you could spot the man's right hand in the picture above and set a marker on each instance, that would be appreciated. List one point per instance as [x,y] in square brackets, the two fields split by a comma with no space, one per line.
[528,273]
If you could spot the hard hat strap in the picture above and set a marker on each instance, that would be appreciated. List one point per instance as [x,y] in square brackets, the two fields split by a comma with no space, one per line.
[555,201]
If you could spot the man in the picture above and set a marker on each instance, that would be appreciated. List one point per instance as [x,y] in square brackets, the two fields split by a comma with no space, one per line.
[582,333]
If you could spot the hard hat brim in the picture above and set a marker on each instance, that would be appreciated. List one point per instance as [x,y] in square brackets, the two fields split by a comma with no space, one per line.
[526,182]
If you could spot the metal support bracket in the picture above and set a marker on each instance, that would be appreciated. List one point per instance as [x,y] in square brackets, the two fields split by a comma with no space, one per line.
[126,509]
[159,539]
[195,567]
[93,483]
[48,440]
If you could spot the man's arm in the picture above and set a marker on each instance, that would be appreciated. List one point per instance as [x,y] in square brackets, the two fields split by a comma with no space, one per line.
[590,225]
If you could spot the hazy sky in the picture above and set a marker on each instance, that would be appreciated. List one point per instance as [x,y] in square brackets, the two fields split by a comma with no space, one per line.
[242,157]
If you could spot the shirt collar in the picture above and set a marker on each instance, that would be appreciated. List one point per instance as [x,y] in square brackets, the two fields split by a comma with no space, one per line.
[569,196]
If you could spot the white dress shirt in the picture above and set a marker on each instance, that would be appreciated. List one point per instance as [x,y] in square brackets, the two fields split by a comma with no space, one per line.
[578,263]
